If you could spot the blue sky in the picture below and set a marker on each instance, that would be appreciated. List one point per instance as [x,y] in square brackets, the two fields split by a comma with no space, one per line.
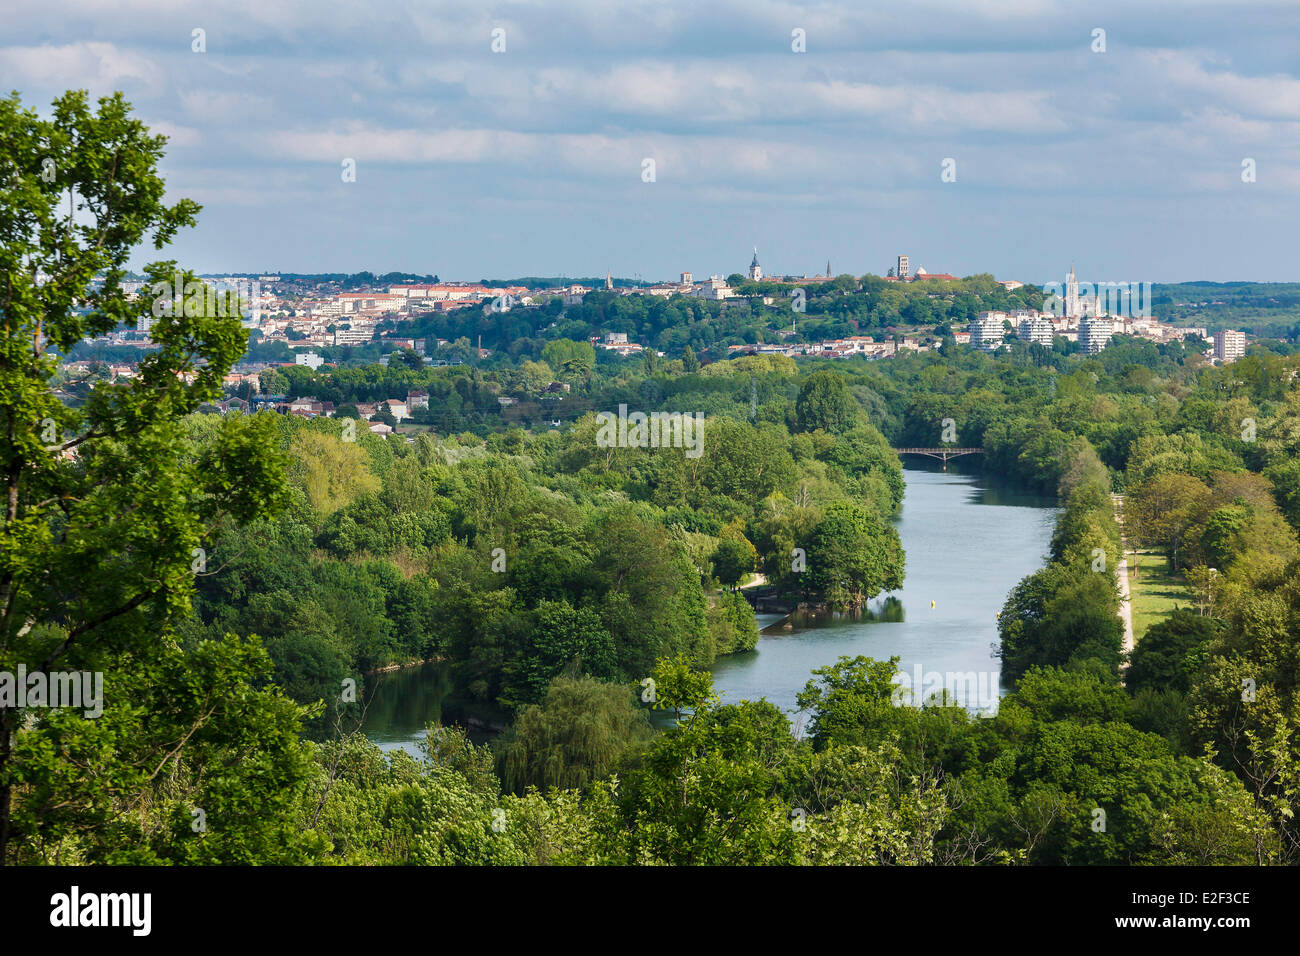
[474,163]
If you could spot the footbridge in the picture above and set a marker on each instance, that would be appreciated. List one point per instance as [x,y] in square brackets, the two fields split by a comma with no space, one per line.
[943,454]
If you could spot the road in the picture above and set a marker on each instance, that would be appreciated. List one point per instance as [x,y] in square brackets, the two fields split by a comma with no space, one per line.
[1121,572]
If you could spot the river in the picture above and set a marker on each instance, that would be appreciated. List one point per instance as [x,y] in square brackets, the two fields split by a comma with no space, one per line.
[968,541]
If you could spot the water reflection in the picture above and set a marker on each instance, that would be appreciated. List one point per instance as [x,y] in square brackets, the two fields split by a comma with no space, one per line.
[968,541]
[889,608]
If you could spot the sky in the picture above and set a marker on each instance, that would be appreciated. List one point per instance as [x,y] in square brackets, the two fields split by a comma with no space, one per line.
[1120,152]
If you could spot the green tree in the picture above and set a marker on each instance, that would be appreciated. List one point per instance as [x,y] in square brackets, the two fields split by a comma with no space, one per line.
[1170,653]
[689,361]
[333,472]
[574,736]
[732,559]
[681,685]
[853,555]
[825,402]
[111,510]
[573,361]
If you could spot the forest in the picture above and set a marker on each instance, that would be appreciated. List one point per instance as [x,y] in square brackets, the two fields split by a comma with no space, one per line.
[555,576]
[238,578]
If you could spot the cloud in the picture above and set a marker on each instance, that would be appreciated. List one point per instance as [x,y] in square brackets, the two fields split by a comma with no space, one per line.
[99,67]
[224,106]
[1050,138]
[1272,96]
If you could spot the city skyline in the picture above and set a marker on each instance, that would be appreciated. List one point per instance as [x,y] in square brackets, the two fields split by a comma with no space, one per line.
[1128,145]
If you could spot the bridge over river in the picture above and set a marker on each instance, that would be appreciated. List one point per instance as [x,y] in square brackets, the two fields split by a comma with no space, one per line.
[943,454]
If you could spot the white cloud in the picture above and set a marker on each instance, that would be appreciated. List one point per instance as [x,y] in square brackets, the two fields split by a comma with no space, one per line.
[98,67]
[223,106]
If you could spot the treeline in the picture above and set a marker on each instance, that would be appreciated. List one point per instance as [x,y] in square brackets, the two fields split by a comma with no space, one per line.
[1261,308]
[1067,614]
[525,556]
[1212,493]
[1059,776]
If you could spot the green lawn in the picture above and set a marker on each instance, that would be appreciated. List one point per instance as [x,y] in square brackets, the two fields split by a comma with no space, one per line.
[1155,592]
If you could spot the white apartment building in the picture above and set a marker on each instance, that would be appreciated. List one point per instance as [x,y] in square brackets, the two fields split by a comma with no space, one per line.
[1229,345]
[353,336]
[309,359]
[1094,334]
[1035,329]
[986,331]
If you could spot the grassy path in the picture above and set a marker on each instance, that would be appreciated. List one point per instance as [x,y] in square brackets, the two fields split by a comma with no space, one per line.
[1122,579]
[1156,591]
[1149,591]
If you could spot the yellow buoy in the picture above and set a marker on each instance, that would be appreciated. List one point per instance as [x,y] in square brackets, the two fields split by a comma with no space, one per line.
[931,605]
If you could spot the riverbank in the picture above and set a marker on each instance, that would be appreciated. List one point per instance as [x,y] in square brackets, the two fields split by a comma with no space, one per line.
[968,541]
[403,665]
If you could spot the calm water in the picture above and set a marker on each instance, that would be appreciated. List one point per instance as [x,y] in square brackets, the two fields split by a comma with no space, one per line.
[968,542]
[400,705]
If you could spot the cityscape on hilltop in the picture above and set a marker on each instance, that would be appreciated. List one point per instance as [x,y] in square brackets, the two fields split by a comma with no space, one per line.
[314,320]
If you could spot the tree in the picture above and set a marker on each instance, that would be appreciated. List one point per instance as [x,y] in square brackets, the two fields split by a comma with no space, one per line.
[1160,511]
[1205,584]
[563,638]
[110,510]
[690,363]
[680,685]
[574,736]
[334,473]
[853,555]
[824,402]
[1170,653]
[573,361]
[851,701]
[732,559]
[535,375]
[1060,616]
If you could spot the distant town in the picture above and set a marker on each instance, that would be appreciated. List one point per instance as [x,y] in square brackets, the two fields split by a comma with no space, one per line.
[308,317]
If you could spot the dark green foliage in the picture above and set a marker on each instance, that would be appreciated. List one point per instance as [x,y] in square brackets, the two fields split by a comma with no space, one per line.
[1170,653]
[853,555]
[731,560]
[825,403]
[575,735]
